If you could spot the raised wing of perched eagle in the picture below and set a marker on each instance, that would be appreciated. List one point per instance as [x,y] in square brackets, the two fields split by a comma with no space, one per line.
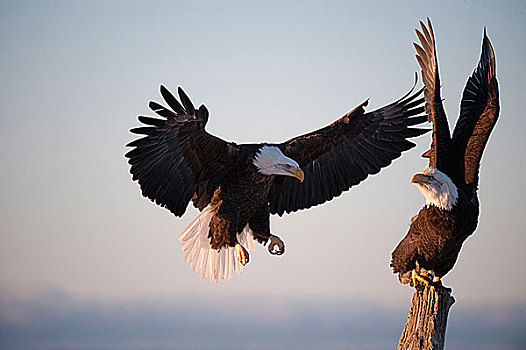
[450,182]
[237,186]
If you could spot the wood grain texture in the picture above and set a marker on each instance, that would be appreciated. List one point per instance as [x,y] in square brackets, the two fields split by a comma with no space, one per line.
[425,328]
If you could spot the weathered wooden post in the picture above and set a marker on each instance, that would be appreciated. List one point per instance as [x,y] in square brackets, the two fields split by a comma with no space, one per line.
[425,328]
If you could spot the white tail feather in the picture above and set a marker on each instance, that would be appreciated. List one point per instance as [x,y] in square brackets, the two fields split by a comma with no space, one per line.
[213,264]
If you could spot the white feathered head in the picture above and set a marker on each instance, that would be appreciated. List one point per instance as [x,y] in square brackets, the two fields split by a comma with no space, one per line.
[436,187]
[271,161]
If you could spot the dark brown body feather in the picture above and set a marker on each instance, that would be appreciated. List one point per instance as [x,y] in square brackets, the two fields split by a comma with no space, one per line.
[436,235]
[241,200]
[178,161]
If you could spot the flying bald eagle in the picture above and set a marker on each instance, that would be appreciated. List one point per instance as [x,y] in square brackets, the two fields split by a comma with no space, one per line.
[237,186]
[450,182]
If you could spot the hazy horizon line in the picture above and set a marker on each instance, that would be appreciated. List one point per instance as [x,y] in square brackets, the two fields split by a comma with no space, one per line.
[58,320]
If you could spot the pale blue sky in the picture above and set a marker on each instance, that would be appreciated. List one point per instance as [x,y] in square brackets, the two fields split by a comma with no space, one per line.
[76,74]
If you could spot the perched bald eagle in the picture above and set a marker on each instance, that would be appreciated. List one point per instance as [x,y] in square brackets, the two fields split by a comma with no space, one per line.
[450,182]
[237,187]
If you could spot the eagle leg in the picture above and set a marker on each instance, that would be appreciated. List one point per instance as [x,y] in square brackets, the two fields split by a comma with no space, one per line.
[431,277]
[242,254]
[276,245]
[418,278]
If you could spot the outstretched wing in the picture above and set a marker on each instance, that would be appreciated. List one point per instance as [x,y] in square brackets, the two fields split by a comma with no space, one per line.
[479,111]
[427,59]
[344,153]
[177,159]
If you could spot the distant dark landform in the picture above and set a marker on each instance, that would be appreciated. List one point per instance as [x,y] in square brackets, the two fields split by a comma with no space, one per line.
[56,320]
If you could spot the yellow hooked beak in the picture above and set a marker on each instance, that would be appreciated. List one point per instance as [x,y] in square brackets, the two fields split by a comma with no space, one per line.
[297,173]
[421,179]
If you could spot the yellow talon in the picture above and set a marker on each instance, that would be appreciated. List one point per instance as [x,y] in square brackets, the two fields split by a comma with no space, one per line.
[419,277]
[422,279]
[241,254]
[413,277]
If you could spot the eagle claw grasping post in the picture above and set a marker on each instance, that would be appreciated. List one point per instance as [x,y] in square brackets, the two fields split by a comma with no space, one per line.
[450,182]
[237,187]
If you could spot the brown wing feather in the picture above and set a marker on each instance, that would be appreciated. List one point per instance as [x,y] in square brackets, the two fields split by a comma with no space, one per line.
[177,159]
[427,59]
[479,111]
[344,153]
